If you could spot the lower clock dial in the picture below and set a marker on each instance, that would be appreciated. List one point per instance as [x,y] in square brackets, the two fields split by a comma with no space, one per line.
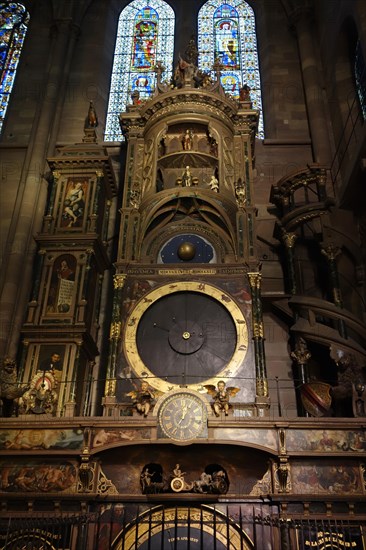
[182,416]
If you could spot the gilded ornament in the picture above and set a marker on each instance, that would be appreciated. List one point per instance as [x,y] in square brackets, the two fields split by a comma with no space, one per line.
[258,331]
[115,331]
[119,281]
[261,387]
[254,279]
[289,239]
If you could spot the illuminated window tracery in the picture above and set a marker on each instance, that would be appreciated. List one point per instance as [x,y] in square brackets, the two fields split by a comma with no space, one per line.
[145,35]
[226,32]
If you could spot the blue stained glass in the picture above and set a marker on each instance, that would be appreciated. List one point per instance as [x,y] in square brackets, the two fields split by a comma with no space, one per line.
[226,31]
[360,77]
[13,27]
[145,36]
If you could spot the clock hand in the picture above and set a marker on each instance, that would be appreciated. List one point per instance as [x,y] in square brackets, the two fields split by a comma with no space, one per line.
[155,325]
[184,412]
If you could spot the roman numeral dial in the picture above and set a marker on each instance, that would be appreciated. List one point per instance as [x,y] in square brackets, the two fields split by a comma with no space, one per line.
[182,416]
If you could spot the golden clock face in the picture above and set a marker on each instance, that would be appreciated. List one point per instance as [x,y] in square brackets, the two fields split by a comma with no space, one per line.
[186,333]
[182,416]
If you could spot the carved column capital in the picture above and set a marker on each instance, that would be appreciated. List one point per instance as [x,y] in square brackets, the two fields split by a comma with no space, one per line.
[301,354]
[255,279]
[331,251]
[288,239]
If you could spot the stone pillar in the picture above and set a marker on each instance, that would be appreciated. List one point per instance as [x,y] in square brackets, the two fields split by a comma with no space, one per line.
[262,399]
[301,18]
[289,240]
[300,356]
[32,192]
[331,252]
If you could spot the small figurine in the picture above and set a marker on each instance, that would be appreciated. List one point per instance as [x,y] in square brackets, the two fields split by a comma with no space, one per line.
[135,96]
[143,398]
[187,180]
[359,399]
[178,472]
[92,119]
[221,397]
[244,93]
[203,485]
[145,480]
[214,184]
[240,193]
[187,140]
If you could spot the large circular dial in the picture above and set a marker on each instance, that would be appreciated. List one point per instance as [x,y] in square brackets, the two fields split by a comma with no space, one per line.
[182,416]
[186,333]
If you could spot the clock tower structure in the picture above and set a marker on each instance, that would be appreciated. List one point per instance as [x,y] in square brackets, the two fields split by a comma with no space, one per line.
[187,305]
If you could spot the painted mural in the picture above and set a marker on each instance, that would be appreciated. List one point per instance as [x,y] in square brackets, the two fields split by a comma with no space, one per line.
[107,437]
[41,439]
[73,208]
[37,476]
[264,438]
[318,477]
[325,440]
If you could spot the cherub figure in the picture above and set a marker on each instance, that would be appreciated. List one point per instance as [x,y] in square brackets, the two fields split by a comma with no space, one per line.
[221,397]
[143,398]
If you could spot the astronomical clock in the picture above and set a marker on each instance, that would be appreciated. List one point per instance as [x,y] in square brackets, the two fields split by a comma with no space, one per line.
[187,310]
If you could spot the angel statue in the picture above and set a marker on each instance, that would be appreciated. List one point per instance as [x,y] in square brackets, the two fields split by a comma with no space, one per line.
[143,398]
[221,396]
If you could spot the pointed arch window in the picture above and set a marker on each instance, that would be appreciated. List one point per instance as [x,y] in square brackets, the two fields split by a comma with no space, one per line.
[14,19]
[226,32]
[145,35]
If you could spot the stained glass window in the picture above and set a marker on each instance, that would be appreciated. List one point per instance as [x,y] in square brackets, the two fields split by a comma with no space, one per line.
[145,35]
[226,32]
[360,77]
[13,26]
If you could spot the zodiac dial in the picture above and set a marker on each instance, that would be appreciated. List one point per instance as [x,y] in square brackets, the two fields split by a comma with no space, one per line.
[186,333]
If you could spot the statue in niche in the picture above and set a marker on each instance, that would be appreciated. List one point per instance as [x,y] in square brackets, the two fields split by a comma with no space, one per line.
[240,193]
[187,140]
[187,179]
[221,397]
